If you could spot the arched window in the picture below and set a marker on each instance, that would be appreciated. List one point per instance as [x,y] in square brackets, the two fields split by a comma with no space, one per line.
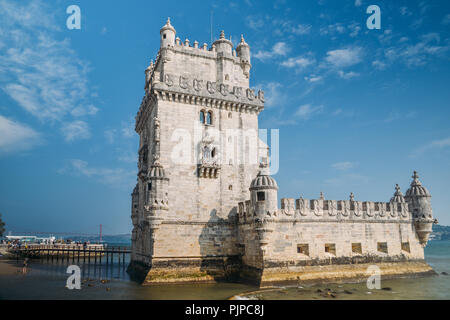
[209,118]
[213,153]
[202,117]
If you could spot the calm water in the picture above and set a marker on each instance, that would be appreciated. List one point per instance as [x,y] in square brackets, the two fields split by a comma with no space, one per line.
[47,281]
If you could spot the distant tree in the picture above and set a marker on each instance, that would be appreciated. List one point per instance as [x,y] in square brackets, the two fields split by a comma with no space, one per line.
[2,226]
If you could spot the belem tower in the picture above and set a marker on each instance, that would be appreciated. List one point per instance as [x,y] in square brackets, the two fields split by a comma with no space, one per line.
[205,207]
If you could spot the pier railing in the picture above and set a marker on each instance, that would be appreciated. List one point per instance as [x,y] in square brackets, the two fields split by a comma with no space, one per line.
[96,253]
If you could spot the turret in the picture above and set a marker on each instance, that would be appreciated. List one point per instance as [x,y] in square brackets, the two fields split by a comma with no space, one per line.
[264,193]
[167,34]
[419,202]
[243,52]
[223,45]
[156,202]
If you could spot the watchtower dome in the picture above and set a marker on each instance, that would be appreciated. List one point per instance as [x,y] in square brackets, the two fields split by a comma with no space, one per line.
[167,34]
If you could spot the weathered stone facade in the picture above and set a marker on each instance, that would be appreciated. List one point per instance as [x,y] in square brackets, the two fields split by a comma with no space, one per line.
[202,210]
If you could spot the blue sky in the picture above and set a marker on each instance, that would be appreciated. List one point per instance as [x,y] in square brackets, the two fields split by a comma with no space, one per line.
[358,109]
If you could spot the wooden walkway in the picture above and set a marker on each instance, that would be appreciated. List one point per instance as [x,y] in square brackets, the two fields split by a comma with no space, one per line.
[89,254]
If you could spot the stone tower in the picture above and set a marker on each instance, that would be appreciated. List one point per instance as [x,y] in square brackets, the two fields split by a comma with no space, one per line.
[198,153]
[419,200]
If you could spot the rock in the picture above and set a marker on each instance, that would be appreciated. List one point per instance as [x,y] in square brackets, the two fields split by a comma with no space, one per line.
[444,273]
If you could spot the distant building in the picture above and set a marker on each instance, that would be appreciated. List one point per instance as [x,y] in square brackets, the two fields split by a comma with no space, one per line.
[205,206]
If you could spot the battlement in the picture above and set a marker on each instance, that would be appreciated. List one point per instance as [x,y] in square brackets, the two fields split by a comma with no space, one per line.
[319,209]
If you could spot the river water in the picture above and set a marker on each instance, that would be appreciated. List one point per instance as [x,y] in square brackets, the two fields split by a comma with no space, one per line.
[48,280]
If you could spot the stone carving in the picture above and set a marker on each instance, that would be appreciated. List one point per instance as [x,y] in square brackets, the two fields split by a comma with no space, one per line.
[223,89]
[157,131]
[184,82]
[237,91]
[211,87]
[261,95]
[197,84]
[250,94]
[168,80]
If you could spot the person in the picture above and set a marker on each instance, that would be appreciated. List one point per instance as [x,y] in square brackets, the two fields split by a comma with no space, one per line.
[25,265]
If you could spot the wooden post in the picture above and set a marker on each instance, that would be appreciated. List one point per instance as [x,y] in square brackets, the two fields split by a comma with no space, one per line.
[107,258]
[95,255]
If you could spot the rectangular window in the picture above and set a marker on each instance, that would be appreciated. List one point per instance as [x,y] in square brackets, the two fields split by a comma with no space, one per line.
[261,196]
[303,249]
[356,248]
[405,247]
[149,186]
[364,206]
[339,205]
[382,247]
[330,248]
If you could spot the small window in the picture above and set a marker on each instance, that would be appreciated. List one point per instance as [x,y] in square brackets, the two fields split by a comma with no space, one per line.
[230,115]
[149,186]
[213,153]
[227,77]
[230,187]
[164,36]
[261,196]
[209,118]
[303,249]
[311,204]
[330,248]
[339,205]
[405,247]
[382,247]
[135,206]
[202,117]
[364,206]
[356,248]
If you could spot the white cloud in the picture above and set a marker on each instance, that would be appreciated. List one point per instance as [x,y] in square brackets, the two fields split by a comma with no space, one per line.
[313,78]
[347,75]
[272,94]
[446,19]
[380,65]
[298,62]
[76,130]
[15,136]
[40,71]
[255,23]
[404,11]
[306,111]
[342,58]
[343,166]
[113,177]
[279,49]
[301,29]
[433,145]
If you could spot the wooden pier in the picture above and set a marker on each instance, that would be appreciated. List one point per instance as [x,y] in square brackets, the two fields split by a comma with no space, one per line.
[75,253]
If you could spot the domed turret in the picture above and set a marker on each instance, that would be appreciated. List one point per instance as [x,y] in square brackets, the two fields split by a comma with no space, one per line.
[418,199]
[167,34]
[264,193]
[243,52]
[398,195]
[223,45]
